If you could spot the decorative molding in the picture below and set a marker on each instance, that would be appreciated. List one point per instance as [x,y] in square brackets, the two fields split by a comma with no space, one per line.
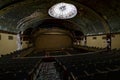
[7,32]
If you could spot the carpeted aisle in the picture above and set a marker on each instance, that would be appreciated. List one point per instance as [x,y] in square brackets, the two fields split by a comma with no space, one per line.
[48,72]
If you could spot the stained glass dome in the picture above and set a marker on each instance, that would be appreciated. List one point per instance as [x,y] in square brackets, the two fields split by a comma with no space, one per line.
[63,11]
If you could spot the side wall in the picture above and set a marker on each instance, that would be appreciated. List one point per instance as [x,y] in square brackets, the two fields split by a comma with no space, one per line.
[9,45]
[96,41]
[116,41]
[100,42]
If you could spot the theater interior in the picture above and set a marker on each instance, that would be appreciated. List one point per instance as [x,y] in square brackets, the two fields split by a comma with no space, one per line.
[59,40]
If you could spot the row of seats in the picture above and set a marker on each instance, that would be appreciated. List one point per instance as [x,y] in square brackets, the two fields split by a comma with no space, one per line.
[89,48]
[36,54]
[14,67]
[19,69]
[57,53]
[18,53]
[93,66]
[46,53]
[76,51]
[101,65]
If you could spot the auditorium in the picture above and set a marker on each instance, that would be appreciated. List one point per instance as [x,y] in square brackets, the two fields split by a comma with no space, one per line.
[59,40]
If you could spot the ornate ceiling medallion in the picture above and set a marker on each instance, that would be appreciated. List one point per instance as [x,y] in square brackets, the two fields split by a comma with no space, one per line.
[63,11]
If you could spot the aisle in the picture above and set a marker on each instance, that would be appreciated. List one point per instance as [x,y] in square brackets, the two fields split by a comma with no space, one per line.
[48,72]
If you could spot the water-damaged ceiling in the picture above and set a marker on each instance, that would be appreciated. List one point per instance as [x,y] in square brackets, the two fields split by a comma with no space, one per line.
[94,17]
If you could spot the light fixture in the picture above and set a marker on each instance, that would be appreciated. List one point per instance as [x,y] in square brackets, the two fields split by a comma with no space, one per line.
[63,11]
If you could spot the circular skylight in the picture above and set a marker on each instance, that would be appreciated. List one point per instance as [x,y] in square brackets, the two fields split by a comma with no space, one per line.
[63,11]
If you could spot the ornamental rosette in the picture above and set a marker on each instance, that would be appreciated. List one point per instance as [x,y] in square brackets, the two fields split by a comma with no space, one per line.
[63,11]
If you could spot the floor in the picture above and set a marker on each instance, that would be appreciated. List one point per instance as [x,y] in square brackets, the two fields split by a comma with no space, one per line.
[48,72]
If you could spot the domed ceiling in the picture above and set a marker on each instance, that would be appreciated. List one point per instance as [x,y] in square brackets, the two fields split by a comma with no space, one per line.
[93,17]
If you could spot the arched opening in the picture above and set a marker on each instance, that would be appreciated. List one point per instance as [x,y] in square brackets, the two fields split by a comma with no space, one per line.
[61,33]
